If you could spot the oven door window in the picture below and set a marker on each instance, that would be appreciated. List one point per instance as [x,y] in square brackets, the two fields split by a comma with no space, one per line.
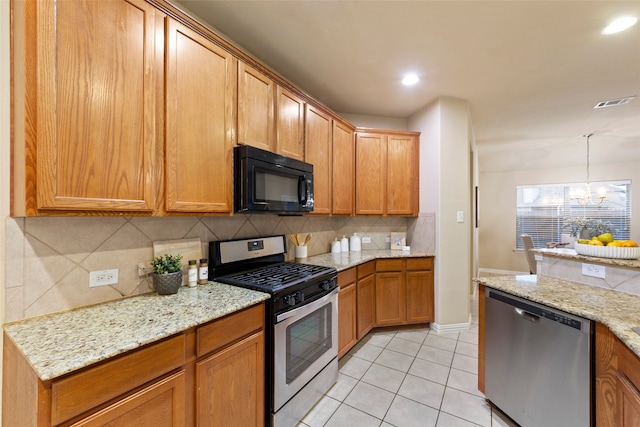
[307,340]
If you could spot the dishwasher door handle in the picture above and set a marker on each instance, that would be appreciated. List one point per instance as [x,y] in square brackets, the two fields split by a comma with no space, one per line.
[526,315]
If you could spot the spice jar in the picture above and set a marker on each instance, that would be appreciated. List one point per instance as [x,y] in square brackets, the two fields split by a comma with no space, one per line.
[192,274]
[203,272]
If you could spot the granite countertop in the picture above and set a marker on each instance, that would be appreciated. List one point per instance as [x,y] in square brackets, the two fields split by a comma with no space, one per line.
[60,343]
[345,260]
[619,311]
[573,255]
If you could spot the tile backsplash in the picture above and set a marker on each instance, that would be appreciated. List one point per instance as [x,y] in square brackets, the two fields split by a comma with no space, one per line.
[49,258]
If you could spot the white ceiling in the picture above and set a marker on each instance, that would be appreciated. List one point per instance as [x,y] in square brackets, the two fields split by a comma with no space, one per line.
[531,70]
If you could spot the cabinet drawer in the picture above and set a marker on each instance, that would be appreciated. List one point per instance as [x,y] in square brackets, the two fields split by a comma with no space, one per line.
[419,263]
[347,277]
[366,269]
[231,328]
[78,393]
[393,264]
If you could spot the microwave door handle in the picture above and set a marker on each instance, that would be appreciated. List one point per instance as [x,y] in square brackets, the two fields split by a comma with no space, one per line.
[302,190]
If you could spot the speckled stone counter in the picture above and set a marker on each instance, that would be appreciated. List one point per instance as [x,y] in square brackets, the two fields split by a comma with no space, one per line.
[60,343]
[345,260]
[619,311]
[571,254]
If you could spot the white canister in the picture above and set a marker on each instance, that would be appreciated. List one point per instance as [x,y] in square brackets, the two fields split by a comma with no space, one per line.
[355,243]
[336,246]
[344,244]
[300,251]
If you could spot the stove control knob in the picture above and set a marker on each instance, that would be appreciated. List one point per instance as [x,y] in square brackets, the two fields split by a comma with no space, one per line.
[290,299]
[299,297]
[326,285]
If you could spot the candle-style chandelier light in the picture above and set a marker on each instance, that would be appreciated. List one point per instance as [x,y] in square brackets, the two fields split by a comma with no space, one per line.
[585,197]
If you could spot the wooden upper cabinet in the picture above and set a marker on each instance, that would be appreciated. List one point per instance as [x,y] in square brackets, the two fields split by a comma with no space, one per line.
[371,172]
[402,175]
[255,108]
[289,124]
[387,172]
[343,168]
[318,152]
[90,89]
[199,123]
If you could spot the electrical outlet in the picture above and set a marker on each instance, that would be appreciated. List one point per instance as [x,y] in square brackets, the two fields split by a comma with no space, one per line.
[366,239]
[593,270]
[103,277]
[388,239]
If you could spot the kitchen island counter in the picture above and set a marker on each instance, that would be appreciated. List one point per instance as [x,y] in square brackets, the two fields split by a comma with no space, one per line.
[60,343]
[616,310]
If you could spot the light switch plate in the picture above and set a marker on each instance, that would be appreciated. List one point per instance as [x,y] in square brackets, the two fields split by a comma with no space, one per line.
[593,270]
[460,216]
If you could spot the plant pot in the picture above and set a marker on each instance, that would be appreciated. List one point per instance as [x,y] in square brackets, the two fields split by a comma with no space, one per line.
[167,284]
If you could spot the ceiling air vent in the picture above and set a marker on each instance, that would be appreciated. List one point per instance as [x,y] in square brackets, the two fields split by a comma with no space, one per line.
[614,102]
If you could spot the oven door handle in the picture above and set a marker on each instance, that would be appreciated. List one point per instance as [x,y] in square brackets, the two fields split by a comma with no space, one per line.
[307,307]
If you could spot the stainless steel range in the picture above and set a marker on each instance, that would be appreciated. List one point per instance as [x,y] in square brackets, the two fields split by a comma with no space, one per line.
[301,325]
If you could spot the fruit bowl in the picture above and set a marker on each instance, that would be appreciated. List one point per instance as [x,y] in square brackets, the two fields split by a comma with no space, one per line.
[607,251]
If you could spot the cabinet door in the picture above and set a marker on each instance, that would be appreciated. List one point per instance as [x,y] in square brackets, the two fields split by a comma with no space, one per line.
[160,404]
[343,169]
[628,403]
[346,319]
[289,125]
[200,122]
[318,152]
[371,173]
[366,293]
[255,108]
[420,296]
[230,385]
[402,176]
[96,105]
[390,300]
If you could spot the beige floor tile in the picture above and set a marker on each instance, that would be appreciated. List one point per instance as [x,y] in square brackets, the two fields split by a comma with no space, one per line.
[467,349]
[395,360]
[346,416]
[430,371]
[465,363]
[384,377]
[353,366]
[370,399]
[464,381]
[342,387]
[365,351]
[409,348]
[470,337]
[440,342]
[416,336]
[433,354]
[379,339]
[321,412]
[466,406]
[407,413]
[422,391]
[446,420]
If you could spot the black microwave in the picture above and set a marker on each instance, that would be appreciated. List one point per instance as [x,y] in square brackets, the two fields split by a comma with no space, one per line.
[270,183]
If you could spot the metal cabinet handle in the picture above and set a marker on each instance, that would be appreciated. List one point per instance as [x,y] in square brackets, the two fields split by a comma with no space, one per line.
[526,315]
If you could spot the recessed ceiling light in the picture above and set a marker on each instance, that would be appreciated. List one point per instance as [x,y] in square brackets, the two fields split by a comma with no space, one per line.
[410,79]
[620,24]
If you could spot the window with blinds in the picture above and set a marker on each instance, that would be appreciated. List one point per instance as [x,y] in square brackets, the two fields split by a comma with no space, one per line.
[541,209]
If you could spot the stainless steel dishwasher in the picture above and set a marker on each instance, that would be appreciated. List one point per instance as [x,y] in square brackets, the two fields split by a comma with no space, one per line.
[538,362]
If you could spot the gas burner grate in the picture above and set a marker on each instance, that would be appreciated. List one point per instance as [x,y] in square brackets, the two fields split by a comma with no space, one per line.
[277,275]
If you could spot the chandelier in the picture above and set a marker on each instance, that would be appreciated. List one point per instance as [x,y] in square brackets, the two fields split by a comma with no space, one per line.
[585,197]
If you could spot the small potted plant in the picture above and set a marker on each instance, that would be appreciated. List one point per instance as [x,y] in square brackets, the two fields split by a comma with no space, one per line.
[167,274]
[586,228]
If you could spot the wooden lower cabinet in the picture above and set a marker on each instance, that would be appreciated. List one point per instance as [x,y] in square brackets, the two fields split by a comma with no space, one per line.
[161,404]
[347,311]
[366,292]
[161,384]
[230,385]
[404,291]
[617,385]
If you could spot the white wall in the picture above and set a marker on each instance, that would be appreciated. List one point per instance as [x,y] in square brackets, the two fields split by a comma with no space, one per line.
[377,122]
[497,235]
[445,187]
